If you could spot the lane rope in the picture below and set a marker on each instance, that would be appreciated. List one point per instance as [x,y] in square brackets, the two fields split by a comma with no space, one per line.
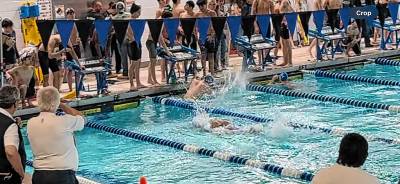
[384,61]
[346,77]
[323,98]
[221,155]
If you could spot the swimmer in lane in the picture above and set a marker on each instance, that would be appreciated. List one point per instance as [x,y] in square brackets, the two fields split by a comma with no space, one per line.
[198,87]
[224,126]
[281,79]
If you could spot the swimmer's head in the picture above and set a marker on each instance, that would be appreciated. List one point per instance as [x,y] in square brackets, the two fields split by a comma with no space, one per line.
[283,76]
[209,79]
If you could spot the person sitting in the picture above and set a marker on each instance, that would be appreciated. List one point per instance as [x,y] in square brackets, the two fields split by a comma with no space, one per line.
[353,39]
[198,87]
[353,152]
[55,157]
[23,76]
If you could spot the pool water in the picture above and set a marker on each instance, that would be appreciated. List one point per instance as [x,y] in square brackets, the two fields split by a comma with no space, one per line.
[109,158]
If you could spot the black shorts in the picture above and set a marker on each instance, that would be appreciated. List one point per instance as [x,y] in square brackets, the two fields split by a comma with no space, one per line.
[276,23]
[211,45]
[190,42]
[77,50]
[134,51]
[54,177]
[151,47]
[46,63]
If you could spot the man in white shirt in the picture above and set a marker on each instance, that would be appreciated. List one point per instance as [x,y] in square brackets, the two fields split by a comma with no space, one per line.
[52,140]
[352,154]
[12,151]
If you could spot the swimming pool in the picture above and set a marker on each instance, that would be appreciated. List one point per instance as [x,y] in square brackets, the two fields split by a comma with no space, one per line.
[108,158]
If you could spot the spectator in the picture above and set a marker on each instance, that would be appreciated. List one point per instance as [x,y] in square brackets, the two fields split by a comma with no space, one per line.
[353,152]
[124,46]
[55,157]
[12,151]
[10,52]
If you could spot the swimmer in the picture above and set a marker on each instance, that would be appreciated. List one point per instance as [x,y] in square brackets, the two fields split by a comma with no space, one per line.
[199,87]
[224,126]
[282,79]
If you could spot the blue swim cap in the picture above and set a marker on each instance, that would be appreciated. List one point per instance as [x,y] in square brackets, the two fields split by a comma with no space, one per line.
[209,79]
[283,76]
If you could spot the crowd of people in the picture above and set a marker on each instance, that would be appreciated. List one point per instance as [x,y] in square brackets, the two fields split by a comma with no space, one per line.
[58,64]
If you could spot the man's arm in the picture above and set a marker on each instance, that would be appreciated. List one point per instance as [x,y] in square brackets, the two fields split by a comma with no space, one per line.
[15,160]
[254,8]
[69,110]
[11,142]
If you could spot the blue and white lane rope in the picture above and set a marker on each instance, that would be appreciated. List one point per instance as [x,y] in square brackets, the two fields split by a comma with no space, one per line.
[384,61]
[332,131]
[323,98]
[274,169]
[346,77]
[80,179]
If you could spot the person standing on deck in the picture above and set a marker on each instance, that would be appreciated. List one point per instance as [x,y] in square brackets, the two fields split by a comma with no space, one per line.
[318,5]
[10,52]
[189,13]
[285,35]
[55,157]
[332,8]
[151,46]
[262,7]
[209,49]
[124,46]
[177,8]
[362,23]
[353,152]
[12,151]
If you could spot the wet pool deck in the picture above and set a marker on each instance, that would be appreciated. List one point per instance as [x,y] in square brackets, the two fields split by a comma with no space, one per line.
[120,90]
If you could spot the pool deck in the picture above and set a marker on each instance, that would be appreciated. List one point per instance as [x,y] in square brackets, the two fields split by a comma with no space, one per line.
[120,90]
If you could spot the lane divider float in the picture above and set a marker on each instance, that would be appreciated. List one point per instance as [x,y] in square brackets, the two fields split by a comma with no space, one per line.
[385,61]
[191,106]
[346,77]
[323,98]
[274,169]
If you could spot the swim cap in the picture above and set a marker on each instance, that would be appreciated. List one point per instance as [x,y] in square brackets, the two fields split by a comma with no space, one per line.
[283,76]
[120,7]
[209,79]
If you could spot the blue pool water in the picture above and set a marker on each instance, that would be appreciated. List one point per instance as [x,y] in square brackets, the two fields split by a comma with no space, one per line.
[113,159]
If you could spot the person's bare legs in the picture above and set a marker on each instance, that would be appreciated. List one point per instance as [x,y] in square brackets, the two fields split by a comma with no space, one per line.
[150,70]
[204,63]
[23,89]
[153,73]
[311,47]
[131,75]
[290,62]
[45,80]
[163,68]
[69,74]
[56,80]
[285,45]
[136,70]
[211,63]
